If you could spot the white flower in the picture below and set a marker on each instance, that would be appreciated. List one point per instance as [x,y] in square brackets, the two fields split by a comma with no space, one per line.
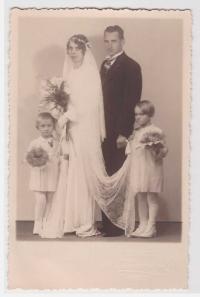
[66,88]
[55,113]
[56,81]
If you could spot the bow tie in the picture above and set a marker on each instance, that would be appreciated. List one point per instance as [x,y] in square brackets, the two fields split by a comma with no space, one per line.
[108,63]
[50,142]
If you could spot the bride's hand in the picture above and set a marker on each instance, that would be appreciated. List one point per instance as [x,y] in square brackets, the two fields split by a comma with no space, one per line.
[69,115]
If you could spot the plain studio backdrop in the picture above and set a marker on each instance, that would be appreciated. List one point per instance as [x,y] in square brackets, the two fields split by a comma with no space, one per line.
[156,44]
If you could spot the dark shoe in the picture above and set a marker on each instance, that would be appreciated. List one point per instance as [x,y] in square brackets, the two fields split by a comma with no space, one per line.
[112,234]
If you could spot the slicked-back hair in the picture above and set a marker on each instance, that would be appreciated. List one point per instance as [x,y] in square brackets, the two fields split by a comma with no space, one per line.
[115,28]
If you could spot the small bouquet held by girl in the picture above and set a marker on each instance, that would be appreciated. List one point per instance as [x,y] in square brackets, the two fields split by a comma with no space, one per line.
[153,140]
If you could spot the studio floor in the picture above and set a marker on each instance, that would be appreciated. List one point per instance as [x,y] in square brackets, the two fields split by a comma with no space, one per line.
[166,232]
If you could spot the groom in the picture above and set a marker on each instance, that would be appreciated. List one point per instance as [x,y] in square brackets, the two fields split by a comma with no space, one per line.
[122,86]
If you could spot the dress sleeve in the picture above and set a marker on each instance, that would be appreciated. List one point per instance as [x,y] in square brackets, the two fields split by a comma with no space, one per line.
[69,115]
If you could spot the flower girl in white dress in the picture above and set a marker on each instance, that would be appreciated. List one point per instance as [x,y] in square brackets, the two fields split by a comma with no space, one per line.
[42,157]
[146,149]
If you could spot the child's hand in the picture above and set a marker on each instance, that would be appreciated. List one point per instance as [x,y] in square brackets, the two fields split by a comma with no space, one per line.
[162,153]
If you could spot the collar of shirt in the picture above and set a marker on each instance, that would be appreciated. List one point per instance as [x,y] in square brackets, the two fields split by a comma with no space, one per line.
[49,140]
[46,138]
[112,59]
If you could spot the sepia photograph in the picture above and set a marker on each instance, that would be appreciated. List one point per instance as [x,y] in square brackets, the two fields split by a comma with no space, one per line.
[99,148]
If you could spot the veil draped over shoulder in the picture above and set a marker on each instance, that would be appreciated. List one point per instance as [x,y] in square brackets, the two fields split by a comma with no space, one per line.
[86,113]
[86,88]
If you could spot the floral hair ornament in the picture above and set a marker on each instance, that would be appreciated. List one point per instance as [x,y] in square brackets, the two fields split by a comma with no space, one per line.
[85,42]
[88,45]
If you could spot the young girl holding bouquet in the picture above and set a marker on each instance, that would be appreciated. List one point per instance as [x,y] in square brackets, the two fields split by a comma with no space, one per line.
[43,159]
[145,149]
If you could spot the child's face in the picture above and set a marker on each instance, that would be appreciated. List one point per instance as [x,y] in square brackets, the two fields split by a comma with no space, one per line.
[141,119]
[46,127]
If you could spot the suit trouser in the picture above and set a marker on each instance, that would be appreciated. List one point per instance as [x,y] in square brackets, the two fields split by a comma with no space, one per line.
[114,159]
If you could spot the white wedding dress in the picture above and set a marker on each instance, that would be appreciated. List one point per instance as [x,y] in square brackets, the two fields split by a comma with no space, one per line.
[84,189]
[81,210]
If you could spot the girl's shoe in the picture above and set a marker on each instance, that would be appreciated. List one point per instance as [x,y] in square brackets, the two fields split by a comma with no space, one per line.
[141,229]
[149,232]
[37,227]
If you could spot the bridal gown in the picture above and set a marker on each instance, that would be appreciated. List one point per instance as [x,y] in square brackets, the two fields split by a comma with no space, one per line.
[85,159]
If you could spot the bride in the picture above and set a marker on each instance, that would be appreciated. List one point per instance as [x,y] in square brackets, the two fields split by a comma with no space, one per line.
[83,185]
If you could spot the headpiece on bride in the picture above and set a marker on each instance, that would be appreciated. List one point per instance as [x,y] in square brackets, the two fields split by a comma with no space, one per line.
[81,40]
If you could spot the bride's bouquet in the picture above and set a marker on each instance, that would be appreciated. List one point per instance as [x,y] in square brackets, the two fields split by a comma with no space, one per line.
[55,96]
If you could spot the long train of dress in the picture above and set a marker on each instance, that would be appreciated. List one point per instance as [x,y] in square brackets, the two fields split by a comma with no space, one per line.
[83,189]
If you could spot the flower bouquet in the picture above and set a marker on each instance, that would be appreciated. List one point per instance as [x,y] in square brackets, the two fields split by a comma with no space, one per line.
[55,96]
[153,139]
[37,157]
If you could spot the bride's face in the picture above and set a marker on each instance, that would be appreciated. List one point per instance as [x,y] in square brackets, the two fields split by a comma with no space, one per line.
[75,53]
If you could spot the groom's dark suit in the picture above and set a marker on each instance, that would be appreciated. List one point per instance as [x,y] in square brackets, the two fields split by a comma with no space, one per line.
[122,86]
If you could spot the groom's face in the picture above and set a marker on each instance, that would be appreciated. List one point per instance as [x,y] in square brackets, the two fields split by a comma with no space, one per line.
[113,43]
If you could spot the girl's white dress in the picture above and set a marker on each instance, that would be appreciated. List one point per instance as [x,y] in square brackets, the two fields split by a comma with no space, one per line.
[139,173]
[45,178]
[146,174]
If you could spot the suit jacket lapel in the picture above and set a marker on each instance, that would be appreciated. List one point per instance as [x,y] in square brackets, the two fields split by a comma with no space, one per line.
[111,72]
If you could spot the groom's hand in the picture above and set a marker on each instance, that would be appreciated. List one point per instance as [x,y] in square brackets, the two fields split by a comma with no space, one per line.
[121,141]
